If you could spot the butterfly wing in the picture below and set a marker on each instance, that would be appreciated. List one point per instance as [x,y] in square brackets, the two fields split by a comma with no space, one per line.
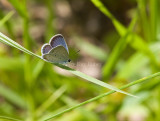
[58,40]
[57,55]
[45,48]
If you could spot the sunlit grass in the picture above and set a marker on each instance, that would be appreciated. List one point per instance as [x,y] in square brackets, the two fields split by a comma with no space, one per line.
[32,90]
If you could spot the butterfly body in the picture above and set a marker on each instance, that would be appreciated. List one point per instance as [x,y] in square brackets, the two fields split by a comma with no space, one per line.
[56,51]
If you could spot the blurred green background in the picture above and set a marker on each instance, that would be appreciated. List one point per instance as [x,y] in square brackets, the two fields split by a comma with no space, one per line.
[119,42]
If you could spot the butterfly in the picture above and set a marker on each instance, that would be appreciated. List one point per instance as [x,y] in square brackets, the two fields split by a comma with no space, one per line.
[56,51]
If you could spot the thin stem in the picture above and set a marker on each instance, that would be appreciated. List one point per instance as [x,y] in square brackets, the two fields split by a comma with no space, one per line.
[105,94]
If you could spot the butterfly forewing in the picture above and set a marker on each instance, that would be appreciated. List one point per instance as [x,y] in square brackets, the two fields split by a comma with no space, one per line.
[57,55]
[58,40]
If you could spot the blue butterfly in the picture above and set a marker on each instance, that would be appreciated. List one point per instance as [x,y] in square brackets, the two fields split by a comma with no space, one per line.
[56,51]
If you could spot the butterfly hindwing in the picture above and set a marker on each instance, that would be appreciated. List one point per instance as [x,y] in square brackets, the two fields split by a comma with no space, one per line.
[46,48]
[58,40]
[57,55]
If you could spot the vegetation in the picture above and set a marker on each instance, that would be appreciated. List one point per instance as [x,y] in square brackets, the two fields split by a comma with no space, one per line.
[122,58]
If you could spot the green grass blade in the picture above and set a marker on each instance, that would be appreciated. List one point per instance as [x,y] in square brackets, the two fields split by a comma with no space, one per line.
[136,62]
[8,24]
[119,27]
[146,28]
[154,13]
[11,64]
[37,69]
[6,18]
[9,118]
[4,39]
[114,57]
[93,80]
[158,22]
[138,43]
[50,100]
[118,50]
[12,96]
[131,66]
[18,5]
[105,94]
[10,42]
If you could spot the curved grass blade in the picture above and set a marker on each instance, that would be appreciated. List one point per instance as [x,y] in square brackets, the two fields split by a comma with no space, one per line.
[91,79]
[10,42]
[4,39]
[104,94]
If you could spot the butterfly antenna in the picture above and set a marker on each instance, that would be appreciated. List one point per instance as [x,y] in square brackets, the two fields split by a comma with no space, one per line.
[77,52]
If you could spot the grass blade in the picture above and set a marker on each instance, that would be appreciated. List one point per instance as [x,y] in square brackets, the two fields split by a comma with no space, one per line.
[105,94]
[10,42]
[119,27]
[138,43]
[6,18]
[118,50]
[50,100]
[9,118]
[4,39]
[91,79]
[12,96]
[19,7]
[154,13]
